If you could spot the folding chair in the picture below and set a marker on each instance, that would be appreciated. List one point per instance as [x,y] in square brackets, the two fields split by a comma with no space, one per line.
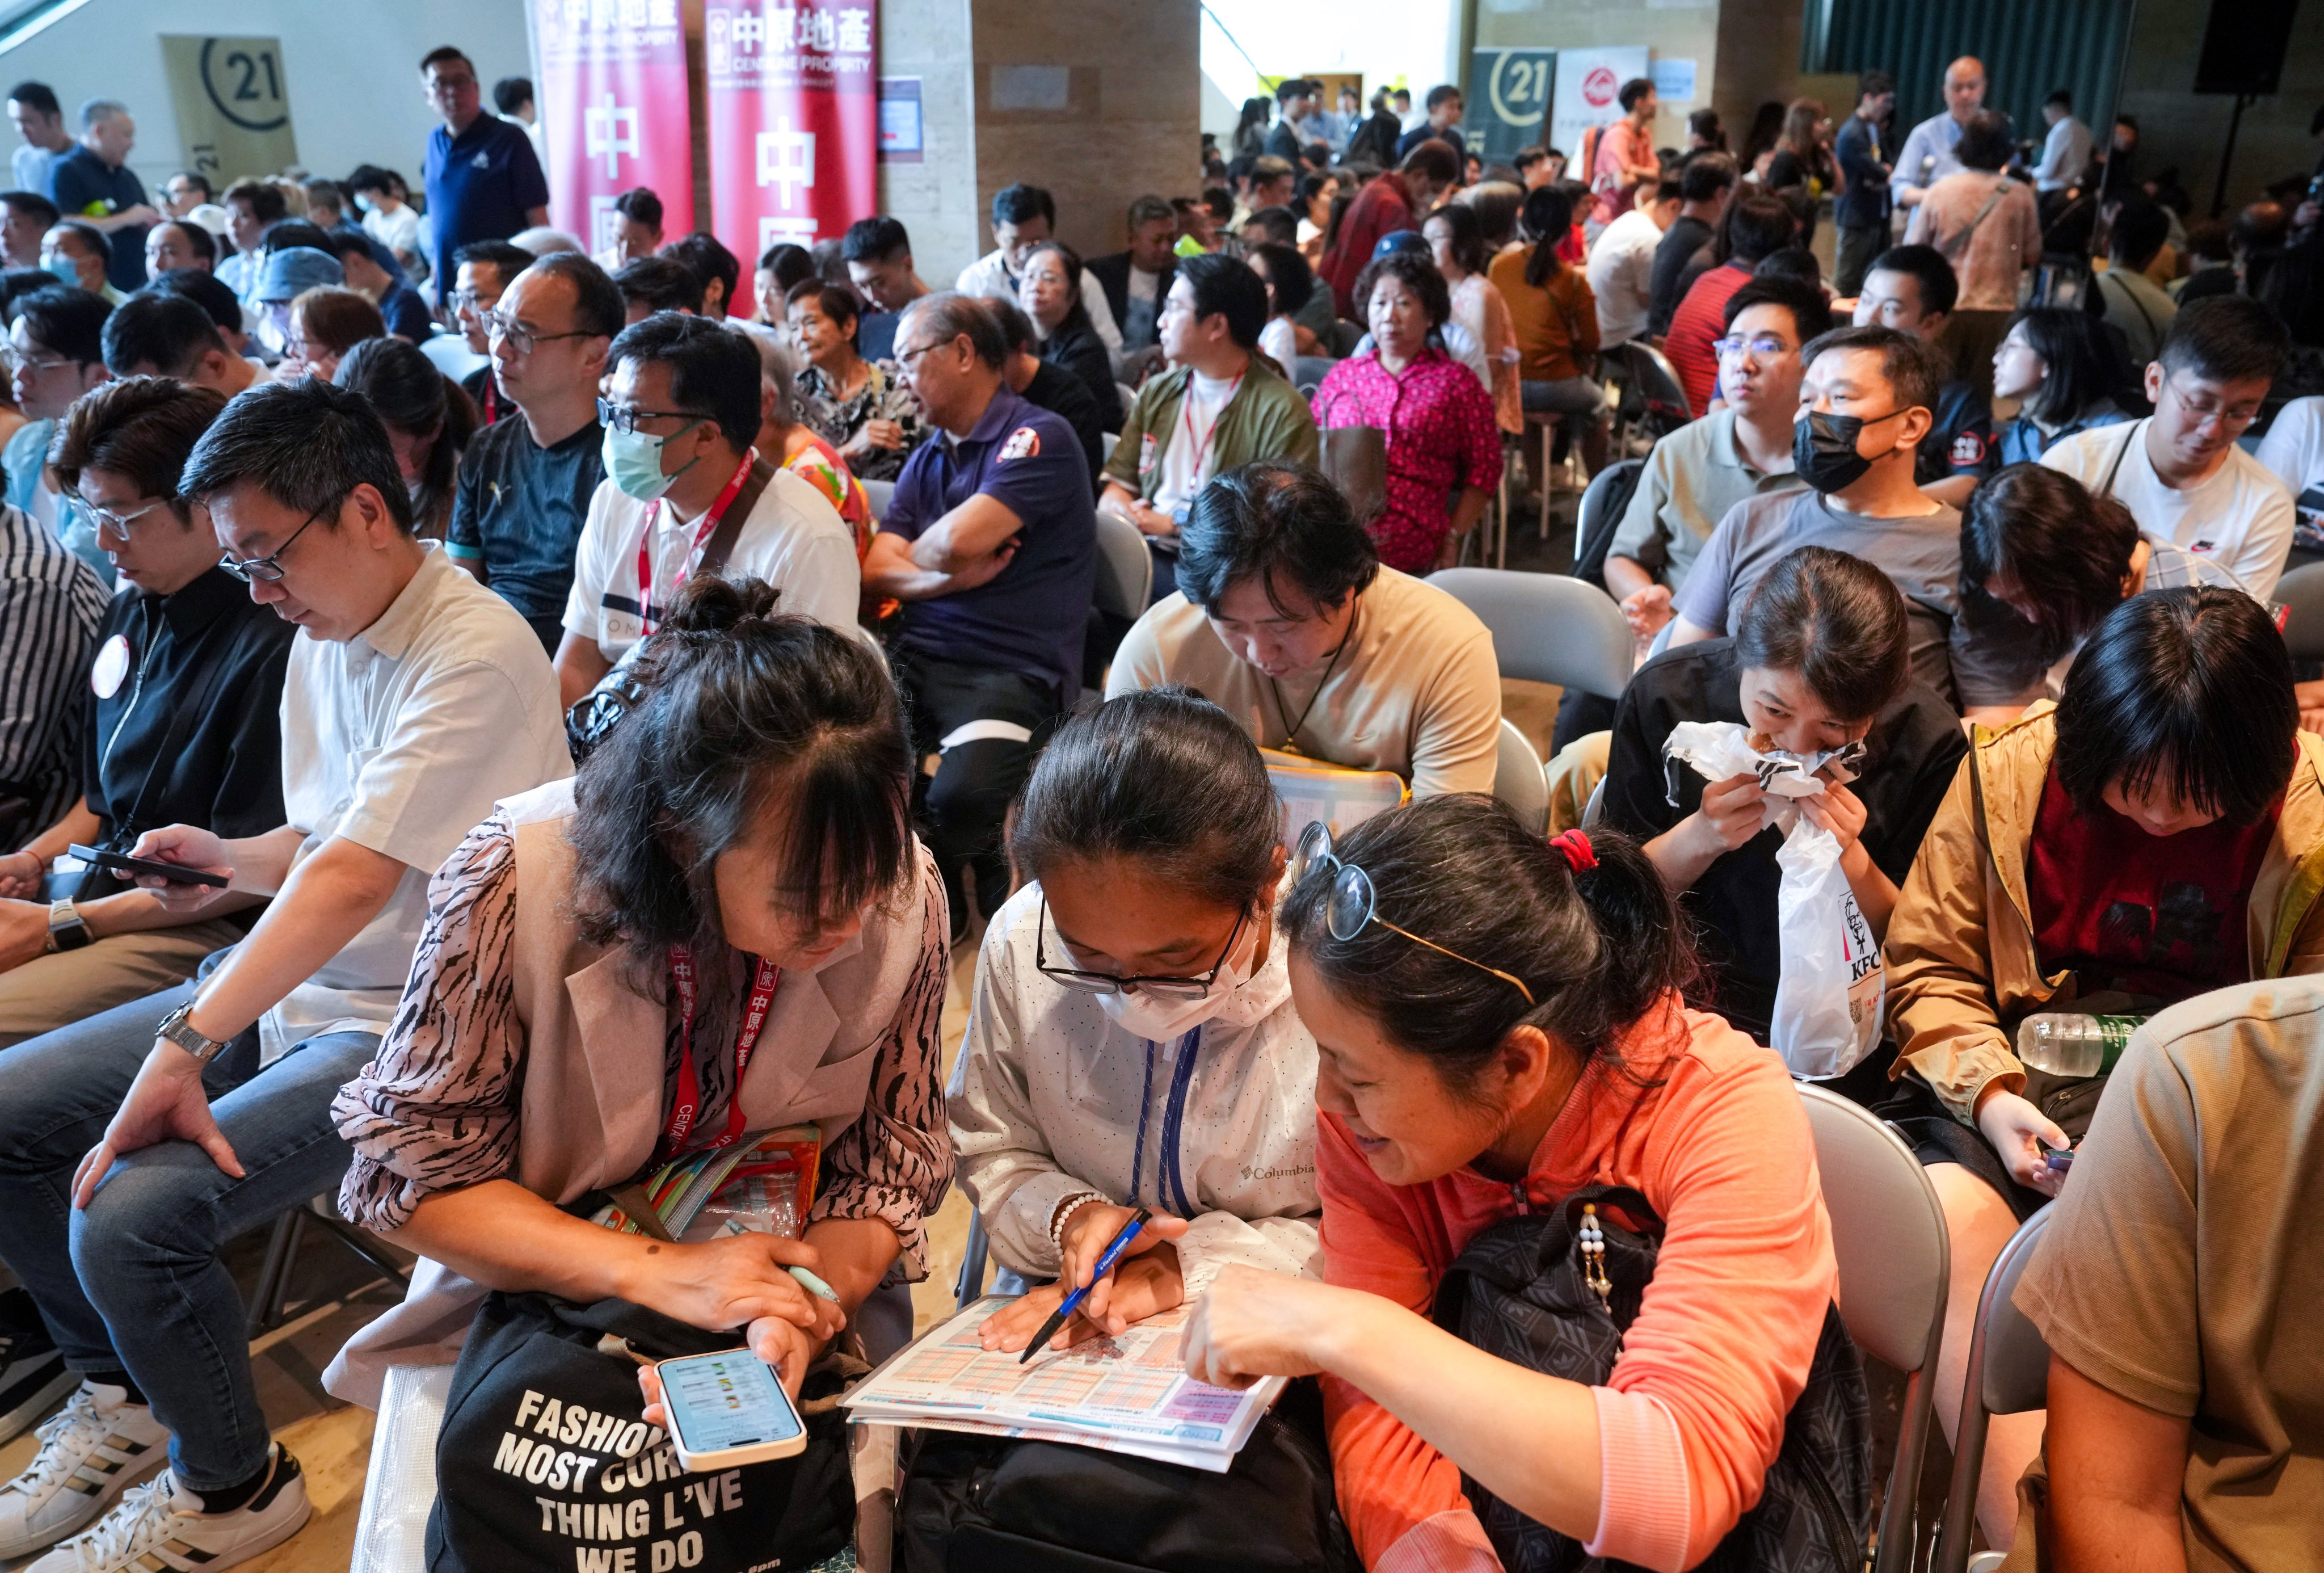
[273,1290]
[1888,1236]
[1518,780]
[2301,592]
[1125,568]
[970,1282]
[1547,629]
[881,493]
[2008,1373]
[1595,524]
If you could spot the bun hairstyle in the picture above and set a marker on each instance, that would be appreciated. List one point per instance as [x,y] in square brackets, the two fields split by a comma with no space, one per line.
[1599,946]
[1163,778]
[742,707]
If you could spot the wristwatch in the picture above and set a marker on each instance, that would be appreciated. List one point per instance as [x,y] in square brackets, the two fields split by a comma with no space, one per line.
[67,931]
[175,1029]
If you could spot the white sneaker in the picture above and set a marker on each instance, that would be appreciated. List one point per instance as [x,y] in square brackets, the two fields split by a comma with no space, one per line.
[91,1451]
[161,1528]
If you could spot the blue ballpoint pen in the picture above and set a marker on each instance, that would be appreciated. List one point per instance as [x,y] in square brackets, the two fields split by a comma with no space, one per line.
[1073,1302]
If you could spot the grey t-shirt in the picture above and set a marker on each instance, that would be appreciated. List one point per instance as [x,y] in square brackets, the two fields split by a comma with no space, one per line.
[1988,665]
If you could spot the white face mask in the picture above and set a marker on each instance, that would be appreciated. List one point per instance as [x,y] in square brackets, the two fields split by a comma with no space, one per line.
[1158,1019]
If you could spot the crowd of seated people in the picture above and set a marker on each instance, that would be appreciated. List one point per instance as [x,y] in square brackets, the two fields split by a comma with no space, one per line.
[776,690]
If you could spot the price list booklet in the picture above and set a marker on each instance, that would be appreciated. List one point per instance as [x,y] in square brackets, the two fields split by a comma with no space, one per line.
[1127,1394]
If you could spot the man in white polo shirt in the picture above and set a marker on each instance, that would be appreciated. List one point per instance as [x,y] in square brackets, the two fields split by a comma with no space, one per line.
[414,699]
[2179,471]
[684,487]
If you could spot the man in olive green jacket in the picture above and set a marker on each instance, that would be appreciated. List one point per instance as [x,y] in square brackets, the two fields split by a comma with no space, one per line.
[1221,404]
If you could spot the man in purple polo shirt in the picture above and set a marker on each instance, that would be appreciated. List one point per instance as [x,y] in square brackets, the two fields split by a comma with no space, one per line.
[991,541]
[484,181]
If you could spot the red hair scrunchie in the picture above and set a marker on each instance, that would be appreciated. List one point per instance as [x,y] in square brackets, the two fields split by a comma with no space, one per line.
[1575,844]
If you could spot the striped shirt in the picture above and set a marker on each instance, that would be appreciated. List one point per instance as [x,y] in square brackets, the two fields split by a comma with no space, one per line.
[50,604]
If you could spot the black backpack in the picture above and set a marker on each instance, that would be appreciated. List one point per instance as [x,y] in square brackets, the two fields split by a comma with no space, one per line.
[987,1504]
[545,1466]
[1518,1291]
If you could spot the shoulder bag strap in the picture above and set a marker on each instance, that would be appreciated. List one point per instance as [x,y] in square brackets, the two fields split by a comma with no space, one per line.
[2106,486]
[1954,246]
[721,544]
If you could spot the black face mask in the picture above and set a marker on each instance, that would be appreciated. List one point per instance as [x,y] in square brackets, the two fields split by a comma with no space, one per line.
[1824,448]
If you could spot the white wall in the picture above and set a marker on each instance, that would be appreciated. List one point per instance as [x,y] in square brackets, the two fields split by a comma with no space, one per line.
[351,67]
[1417,40]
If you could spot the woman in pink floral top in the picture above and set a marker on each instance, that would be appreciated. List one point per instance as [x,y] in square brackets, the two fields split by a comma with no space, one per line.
[1443,448]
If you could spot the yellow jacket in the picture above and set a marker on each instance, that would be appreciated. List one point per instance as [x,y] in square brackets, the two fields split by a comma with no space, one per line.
[1962,970]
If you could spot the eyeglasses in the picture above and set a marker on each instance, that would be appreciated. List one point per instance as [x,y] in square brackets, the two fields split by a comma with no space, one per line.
[472,300]
[270,567]
[1176,988]
[1764,344]
[1354,903]
[119,523]
[523,339]
[14,358]
[621,418]
[905,358]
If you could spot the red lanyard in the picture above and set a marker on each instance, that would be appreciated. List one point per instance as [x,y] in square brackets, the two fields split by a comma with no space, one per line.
[710,518]
[1194,475]
[688,1104]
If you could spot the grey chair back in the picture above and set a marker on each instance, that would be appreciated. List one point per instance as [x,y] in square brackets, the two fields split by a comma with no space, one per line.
[881,493]
[1595,524]
[1657,380]
[2008,1373]
[1888,1237]
[1125,568]
[1518,780]
[1308,372]
[2302,590]
[1546,628]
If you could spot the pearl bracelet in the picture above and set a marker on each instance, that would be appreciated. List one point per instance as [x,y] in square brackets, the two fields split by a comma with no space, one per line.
[1062,1215]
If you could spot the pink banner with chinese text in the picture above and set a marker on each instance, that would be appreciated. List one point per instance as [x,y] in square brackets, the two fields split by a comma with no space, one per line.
[613,98]
[793,105]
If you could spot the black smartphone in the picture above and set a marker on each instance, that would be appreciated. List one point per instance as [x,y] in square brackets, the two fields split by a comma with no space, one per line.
[175,873]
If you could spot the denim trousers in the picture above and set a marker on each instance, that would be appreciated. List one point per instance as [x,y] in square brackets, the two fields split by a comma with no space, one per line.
[134,1283]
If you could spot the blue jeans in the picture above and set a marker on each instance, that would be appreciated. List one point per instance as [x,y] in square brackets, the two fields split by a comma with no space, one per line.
[134,1283]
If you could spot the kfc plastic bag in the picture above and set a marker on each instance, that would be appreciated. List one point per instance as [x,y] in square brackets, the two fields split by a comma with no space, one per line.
[1829,996]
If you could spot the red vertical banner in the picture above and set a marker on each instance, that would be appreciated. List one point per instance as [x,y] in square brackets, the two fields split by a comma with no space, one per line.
[794,121]
[613,95]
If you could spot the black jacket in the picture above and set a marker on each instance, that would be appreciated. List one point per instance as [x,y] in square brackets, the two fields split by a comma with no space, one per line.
[1111,273]
[1076,347]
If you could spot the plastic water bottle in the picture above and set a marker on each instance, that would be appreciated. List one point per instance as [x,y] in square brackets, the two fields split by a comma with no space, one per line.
[2070,1043]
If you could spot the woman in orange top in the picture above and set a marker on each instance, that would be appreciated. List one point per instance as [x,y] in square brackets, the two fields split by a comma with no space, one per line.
[1555,317]
[1500,1027]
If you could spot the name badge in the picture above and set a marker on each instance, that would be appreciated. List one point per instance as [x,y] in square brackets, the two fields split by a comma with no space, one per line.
[111,667]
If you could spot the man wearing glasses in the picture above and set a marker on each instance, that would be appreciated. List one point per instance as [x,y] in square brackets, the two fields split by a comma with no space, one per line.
[180,723]
[1743,450]
[486,268]
[525,485]
[484,181]
[990,543]
[55,353]
[413,702]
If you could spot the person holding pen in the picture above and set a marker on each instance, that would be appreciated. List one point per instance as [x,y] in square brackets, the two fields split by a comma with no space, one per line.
[723,924]
[1132,1043]
[1499,1023]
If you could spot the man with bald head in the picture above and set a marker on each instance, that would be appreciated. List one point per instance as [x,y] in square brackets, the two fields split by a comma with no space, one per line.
[1935,138]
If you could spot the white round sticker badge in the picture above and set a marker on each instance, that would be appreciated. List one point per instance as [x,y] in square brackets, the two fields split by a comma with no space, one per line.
[112,666]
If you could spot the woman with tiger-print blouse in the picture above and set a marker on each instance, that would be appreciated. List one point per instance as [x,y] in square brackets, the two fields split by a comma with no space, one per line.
[743,838]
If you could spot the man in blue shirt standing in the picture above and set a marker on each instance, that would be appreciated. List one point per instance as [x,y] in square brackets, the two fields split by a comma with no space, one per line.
[991,541]
[1928,156]
[484,182]
[1860,211]
[94,183]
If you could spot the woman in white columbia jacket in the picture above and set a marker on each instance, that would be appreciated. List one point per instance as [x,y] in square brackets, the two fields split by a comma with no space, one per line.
[1132,1042]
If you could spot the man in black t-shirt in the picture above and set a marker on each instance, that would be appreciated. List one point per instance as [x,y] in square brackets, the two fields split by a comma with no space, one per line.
[525,484]
[1705,186]
[1912,289]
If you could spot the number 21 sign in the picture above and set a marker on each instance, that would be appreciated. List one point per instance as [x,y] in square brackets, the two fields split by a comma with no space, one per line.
[233,112]
[1509,99]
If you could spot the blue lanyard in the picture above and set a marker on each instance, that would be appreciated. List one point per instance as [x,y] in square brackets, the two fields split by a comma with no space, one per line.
[1182,1076]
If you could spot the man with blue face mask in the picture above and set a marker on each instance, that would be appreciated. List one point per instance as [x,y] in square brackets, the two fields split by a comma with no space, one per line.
[525,485]
[77,254]
[1866,404]
[685,493]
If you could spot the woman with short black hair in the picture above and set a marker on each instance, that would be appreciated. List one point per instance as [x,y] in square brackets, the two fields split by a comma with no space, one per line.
[2144,840]
[1049,290]
[1444,450]
[1498,1026]
[1132,1042]
[724,923]
[1818,664]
